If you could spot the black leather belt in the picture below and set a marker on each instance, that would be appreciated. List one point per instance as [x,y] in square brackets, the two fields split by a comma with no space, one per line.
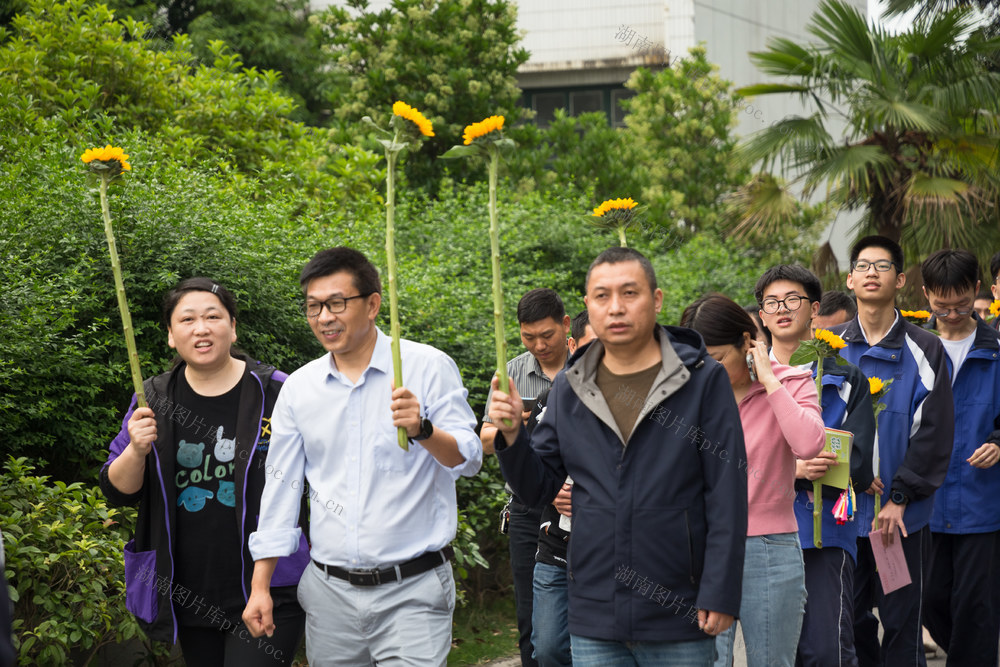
[418,565]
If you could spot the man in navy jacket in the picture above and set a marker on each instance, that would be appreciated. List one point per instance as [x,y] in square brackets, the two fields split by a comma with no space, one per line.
[645,423]
[913,447]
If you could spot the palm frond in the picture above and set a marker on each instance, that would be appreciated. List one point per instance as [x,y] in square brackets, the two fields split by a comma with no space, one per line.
[760,208]
[770,89]
[791,139]
[850,171]
[903,115]
[843,29]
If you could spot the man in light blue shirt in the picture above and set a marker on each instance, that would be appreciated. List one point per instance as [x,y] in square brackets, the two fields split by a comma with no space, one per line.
[380,589]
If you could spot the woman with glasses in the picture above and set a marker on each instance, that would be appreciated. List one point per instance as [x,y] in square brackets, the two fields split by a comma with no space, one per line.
[195,461]
[781,422]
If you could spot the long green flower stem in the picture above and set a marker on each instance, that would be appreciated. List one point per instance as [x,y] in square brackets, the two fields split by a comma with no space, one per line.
[878,495]
[621,236]
[390,258]
[817,485]
[501,339]
[116,269]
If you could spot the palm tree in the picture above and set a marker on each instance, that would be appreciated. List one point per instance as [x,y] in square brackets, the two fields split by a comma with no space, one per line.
[919,152]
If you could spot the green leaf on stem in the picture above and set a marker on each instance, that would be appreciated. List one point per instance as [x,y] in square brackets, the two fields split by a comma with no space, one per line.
[462,151]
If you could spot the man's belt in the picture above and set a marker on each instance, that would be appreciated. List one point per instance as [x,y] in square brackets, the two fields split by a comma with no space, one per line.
[374,577]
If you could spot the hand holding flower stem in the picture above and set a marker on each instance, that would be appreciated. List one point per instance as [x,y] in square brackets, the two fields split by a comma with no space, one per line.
[486,139]
[823,345]
[401,111]
[878,389]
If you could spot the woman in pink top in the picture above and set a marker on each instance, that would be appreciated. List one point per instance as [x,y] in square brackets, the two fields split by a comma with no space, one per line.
[781,422]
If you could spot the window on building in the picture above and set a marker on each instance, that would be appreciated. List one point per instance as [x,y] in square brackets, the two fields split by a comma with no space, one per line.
[545,105]
[617,112]
[584,101]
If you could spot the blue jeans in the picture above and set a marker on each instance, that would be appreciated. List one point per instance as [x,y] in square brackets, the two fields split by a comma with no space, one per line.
[550,617]
[774,602]
[589,652]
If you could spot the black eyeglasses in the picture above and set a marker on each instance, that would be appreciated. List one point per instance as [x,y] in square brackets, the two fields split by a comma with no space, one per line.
[771,306]
[961,312]
[337,304]
[863,265]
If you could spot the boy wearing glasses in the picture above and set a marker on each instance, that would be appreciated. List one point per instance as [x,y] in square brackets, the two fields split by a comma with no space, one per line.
[789,298]
[962,598]
[380,589]
[913,449]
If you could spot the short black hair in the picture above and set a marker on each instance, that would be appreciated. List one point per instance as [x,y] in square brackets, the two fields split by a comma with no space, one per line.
[719,320]
[364,275]
[950,271]
[994,266]
[835,300]
[793,273]
[197,284]
[619,254]
[876,241]
[578,326]
[538,304]
[984,294]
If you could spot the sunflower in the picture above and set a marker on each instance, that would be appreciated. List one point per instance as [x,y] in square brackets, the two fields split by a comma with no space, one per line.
[107,154]
[833,340]
[404,110]
[481,129]
[614,204]
[916,314]
[995,308]
[875,385]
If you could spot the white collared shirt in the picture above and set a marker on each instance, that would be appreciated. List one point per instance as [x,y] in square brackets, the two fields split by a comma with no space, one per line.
[371,503]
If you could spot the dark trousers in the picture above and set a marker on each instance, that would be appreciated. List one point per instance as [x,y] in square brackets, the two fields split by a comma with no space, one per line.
[827,637]
[230,644]
[962,598]
[900,611]
[523,534]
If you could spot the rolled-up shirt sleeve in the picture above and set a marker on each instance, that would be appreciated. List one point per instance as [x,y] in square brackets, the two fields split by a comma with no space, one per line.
[278,533]
[447,407]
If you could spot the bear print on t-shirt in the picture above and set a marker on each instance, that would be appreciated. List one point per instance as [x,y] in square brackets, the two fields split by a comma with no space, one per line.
[189,453]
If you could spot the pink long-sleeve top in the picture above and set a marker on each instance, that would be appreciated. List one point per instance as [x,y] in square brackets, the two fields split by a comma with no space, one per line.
[778,428]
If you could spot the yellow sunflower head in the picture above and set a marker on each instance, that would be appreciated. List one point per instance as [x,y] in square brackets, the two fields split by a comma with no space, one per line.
[833,340]
[614,205]
[482,128]
[875,385]
[109,157]
[995,307]
[404,110]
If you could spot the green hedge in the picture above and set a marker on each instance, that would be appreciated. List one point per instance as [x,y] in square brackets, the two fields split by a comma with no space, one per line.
[64,566]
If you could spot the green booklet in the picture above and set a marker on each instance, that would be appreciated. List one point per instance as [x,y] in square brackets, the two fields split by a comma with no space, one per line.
[838,442]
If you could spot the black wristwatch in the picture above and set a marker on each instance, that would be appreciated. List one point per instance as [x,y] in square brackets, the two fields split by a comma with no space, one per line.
[426,428]
[899,497]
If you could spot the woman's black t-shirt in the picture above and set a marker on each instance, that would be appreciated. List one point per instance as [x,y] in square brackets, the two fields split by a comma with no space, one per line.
[207,546]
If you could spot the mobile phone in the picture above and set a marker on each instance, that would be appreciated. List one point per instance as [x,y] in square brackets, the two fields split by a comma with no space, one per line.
[752,366]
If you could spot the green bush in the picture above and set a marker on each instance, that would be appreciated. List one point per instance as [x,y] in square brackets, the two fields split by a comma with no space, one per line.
[62,356]
[71,69]
[583,152]
[64,565]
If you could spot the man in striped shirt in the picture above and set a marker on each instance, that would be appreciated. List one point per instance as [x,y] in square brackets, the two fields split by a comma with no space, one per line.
[544,330]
